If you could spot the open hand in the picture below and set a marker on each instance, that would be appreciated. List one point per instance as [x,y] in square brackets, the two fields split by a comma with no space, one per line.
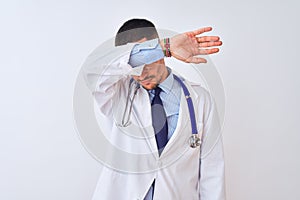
[187,46]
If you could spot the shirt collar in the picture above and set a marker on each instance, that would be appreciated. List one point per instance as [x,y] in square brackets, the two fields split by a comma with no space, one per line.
[167,84]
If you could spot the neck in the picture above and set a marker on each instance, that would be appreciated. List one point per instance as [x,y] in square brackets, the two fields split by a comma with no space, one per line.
[165,74]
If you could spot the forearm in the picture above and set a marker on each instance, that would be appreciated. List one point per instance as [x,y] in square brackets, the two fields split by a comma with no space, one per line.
[105,63]
[103,72]
[146,53]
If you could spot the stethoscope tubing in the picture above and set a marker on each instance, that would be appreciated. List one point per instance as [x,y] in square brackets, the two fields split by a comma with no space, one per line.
[194,141]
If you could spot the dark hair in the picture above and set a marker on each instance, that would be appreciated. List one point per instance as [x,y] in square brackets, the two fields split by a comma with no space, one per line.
[134,30]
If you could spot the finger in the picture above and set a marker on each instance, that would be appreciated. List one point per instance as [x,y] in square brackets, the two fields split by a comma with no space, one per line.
[208,38]
[210,44]
[201,30]
[196,60]
[198,31]
[207,51]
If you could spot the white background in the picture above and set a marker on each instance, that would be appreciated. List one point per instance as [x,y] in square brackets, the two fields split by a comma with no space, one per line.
[44,43]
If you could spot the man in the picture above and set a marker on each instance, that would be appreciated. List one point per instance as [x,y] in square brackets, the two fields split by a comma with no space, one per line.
[156,120]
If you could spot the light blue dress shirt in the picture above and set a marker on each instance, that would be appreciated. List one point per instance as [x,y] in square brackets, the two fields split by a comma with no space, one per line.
[170,96]
[147,53]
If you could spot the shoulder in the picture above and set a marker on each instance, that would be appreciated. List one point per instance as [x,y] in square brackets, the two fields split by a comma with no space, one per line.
[198,93]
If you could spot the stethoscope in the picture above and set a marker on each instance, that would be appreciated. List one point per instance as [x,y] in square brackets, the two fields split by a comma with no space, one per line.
[194,140]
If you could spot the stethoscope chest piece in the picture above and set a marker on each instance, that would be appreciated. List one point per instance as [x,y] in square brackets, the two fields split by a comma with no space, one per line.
[194,141]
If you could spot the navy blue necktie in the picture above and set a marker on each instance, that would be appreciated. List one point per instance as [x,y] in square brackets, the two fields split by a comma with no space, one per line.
[159,121]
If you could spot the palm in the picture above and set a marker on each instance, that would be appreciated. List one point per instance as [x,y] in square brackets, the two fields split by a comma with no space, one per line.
[187,46]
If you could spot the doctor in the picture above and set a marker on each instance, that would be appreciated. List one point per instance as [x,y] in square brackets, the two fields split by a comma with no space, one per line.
[145,111]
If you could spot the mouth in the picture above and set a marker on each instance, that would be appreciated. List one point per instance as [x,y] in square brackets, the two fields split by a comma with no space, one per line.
[146,82]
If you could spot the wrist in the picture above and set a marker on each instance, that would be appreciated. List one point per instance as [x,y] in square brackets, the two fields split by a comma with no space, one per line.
[165,45]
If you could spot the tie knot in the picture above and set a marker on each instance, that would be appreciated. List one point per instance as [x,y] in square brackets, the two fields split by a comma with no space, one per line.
[157,91]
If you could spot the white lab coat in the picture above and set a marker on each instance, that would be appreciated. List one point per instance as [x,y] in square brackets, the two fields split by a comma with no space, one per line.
[177,172]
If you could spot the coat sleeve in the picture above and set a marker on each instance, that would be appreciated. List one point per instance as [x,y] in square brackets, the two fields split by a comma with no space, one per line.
[212,180]
[105,69]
